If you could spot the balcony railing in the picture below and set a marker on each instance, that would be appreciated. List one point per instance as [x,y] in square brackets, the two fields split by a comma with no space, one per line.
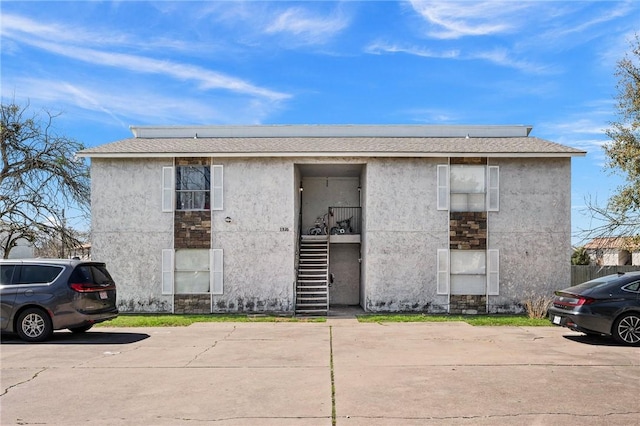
[345,220]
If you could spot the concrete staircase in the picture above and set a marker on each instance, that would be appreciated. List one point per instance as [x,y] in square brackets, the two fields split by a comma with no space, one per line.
[312,288]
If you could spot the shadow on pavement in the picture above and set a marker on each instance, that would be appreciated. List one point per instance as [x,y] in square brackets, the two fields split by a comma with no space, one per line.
[594,340]
[88,338]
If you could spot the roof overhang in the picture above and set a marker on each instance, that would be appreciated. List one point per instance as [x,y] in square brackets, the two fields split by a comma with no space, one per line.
[333,155]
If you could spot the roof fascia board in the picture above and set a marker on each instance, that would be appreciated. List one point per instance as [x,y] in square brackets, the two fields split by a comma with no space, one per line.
[268,131]
[334,154]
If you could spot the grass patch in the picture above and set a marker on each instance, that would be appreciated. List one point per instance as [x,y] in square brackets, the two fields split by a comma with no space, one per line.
[175,320]
[476,320]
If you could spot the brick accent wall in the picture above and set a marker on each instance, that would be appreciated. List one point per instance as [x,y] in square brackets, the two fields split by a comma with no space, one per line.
[192,229]
[468,304]
[468,230]
[200,161]
[472,161]
[192,304]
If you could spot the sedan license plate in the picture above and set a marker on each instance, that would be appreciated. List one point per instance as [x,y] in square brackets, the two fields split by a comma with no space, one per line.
[556,319]
[103,295]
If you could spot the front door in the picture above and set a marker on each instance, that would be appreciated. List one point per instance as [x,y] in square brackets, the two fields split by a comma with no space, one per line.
[344,265]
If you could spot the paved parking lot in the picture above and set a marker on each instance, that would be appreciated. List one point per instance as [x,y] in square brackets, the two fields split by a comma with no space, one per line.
[317,373]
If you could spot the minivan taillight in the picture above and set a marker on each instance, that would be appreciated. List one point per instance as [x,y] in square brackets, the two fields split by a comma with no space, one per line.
[89,287]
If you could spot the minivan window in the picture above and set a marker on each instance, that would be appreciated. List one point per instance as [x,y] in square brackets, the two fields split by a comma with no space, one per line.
[101,275]
[37,274]
[81,275]
[6,271]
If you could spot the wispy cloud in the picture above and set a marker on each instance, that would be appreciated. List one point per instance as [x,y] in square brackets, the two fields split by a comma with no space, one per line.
[307,26]
[125,105]
[380,47]
[451,19]
[501,57]
[38,35]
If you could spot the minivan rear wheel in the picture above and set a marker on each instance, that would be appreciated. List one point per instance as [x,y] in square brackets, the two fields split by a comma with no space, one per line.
[34,325]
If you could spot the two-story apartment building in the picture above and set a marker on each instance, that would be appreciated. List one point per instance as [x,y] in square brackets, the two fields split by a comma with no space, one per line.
[301,218]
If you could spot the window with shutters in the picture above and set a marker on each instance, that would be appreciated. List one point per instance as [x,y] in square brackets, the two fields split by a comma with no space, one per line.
[468,188]
[193,188]
[468,272]
[192,271]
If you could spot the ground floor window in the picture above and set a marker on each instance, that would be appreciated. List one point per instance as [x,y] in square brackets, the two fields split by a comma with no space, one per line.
[192,274]
[192,271]
[468,272]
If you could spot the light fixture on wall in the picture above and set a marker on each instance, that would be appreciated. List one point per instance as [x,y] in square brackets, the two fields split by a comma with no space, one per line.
[227,219]
[301,189]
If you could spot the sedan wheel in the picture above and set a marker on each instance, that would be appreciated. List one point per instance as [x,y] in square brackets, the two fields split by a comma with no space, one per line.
[34,325]
[627,329]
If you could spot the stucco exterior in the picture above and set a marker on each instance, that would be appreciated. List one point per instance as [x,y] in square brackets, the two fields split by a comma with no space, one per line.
[273,194]
[129,229]
[403,232]
[532,229]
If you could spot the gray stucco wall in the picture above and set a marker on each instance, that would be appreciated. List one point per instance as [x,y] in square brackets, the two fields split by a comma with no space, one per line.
[260,241]
[129,229]
[403,232]
[532,230]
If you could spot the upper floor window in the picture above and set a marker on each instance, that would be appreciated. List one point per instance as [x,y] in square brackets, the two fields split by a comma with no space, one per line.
[468,188]
[193,187]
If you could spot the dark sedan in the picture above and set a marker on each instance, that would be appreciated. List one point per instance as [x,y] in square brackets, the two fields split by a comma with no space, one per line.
[607,305]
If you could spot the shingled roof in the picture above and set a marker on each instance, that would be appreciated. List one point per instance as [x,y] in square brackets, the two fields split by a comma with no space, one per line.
[332,141]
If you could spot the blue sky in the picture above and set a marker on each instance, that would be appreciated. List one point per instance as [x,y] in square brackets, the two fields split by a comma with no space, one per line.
[108,65]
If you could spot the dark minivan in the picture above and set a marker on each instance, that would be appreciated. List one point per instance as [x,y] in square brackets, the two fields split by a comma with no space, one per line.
[38,296]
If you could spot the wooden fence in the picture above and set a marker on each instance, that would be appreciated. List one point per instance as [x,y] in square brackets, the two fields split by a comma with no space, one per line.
[582,273]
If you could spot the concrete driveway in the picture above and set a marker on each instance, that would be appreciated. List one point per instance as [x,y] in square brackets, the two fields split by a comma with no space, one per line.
[303,373]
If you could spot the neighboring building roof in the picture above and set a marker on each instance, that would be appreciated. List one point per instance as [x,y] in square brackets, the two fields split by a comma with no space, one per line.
[332,141]
[618,243]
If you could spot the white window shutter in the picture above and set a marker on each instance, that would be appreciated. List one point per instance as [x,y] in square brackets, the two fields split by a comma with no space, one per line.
[493,273]
[216,271]
[443,187]
[167,271]
[217,178]
[168,189]
[493,188]
[443,271]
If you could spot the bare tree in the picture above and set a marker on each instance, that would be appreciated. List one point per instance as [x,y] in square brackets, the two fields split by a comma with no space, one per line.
[621,215]
[40,179]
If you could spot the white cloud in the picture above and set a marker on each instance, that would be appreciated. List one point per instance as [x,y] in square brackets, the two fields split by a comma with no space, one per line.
[306,25]
[379,47]
[500,57]
[39,36]
[139,105]
[451,20]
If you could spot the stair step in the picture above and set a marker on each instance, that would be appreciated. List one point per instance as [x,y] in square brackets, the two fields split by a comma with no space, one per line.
[312,290]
